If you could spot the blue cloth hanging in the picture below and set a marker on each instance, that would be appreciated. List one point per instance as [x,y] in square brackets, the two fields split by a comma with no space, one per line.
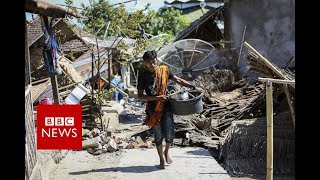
[51,51]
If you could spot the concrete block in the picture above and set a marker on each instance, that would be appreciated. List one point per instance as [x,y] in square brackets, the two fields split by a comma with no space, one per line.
[90,143]
[112,146]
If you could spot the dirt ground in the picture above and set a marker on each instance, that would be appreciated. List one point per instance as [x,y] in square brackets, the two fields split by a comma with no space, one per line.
[264,177]
[188,163]
[81,165]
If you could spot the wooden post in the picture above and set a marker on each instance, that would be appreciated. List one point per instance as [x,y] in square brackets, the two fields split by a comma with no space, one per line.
[227,23]
[92,77]
[55,91]
[269,100]
[98,73]
[127,75]
[110,72]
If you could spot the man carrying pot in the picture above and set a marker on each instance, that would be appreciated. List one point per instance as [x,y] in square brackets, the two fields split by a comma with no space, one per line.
[152,88]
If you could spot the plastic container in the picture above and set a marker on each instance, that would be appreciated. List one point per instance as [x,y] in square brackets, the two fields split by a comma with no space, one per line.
[188,106]
[46,101]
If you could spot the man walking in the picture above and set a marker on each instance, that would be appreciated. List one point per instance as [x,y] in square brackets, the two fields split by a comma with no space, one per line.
[152,88]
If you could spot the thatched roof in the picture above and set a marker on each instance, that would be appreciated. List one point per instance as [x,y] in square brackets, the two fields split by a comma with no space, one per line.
[73,46]
[203,28]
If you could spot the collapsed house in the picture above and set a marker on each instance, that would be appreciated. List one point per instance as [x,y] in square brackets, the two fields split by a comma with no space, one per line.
[233,122]
[79,63]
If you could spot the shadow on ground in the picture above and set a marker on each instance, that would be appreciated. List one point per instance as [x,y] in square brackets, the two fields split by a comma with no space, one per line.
[130,119]
[200,152]
[130,169]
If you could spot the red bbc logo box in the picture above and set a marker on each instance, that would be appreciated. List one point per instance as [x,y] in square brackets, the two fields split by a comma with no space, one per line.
[59,127]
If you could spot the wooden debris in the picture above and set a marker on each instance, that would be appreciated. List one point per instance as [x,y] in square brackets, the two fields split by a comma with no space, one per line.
[261,65]
[267,63]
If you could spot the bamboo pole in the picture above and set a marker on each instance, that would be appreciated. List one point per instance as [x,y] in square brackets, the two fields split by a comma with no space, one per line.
[92,75]
[280,81]
[243,35]
[269,100]
[227,23]
[99,74]
[110,71]
[288,95]
[134,73]
[220,42]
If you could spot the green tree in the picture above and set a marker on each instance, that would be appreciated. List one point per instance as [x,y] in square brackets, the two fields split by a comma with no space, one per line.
[107,20]
[104,20]
[166,21]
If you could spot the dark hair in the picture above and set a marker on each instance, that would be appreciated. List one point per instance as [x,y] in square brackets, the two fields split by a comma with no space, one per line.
[149,55]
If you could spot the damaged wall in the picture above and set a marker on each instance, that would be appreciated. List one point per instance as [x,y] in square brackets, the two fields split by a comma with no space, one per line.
[270,29]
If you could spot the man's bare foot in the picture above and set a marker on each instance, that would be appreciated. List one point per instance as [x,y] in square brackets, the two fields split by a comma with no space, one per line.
[168,159]
[161,166]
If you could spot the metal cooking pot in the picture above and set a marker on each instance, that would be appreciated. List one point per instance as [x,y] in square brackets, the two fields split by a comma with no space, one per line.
[181,104]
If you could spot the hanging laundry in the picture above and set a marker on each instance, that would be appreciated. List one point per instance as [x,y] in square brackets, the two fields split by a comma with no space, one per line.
[51,50]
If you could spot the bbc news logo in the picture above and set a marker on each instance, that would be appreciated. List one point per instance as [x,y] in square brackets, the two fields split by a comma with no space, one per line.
[59,127]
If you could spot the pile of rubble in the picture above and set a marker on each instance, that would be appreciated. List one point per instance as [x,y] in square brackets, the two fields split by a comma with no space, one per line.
[243,150]
[231,124]
[96,142]
[225,100]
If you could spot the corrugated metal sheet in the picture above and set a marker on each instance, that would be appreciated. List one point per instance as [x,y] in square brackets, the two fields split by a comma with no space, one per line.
[110,42]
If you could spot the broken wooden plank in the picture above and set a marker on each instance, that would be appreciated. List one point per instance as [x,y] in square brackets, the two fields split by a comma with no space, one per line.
[293,114]
[37,90]
[267,63]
